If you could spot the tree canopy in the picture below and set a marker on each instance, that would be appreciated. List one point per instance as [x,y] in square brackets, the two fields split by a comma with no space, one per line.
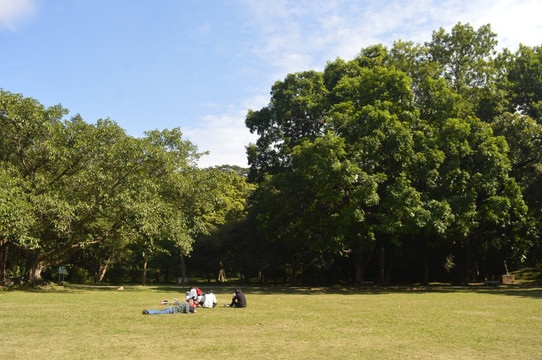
[70,186]
[407,150]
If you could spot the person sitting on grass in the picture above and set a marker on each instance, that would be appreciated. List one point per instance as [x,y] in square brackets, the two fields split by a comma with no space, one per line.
[209,300]
[182,308]
[192,294]
[239,300]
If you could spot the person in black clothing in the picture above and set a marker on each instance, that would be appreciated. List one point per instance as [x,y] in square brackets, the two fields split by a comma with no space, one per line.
[239,300]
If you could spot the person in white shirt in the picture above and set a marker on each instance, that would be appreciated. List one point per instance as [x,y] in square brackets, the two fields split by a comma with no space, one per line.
[209,301]
[192,294]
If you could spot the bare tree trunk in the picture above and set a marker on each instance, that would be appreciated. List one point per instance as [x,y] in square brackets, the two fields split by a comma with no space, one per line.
[358,273]
[467,259]
[34,276]
[166,274]
[102,270]
[389,267]
[3,259]
[144,276]
[222,273]
[461,275]
[381,266]
[360,264]
[183,270]
[358,268]
[426,263]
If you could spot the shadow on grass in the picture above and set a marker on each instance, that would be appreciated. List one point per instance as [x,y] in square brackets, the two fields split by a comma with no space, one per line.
[506,290]
[533,292]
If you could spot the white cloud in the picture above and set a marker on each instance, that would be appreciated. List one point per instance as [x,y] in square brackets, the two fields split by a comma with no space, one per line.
[224,136]
[515,22]
[14,12]
[301,35]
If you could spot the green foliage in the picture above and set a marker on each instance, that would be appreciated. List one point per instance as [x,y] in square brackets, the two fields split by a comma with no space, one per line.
[69,186]
[412,126]
[464,55]
[525,81]
[296,111]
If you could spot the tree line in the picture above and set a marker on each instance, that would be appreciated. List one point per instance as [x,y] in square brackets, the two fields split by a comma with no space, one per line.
[414,163]
[89,196]
[419,162]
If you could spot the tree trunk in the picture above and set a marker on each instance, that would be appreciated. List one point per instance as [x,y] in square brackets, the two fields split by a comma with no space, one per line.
[102,270]
[34,276]
[222,273]
[358,273]
[3,259]
[358,267]
[183,270]
[461,265]
[467,256]
[166,274]
[382,266]
[39,260]
[360,264]
[425,263]
[145,262]
[389,267]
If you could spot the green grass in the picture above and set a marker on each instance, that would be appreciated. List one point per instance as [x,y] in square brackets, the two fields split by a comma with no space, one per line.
[279,323]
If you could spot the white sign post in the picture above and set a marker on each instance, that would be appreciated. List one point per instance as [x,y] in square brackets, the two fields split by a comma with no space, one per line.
[61,271]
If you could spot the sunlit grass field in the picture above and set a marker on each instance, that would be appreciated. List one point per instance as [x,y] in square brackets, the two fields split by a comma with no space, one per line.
[279,323]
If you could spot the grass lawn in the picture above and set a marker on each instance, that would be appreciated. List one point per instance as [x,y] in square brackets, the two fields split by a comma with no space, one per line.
[279,323]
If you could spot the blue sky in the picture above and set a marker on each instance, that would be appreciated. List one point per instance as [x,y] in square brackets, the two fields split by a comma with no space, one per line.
[200,65]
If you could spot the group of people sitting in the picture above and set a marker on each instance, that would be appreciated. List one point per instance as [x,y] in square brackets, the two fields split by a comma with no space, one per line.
[196,298]
[199,298]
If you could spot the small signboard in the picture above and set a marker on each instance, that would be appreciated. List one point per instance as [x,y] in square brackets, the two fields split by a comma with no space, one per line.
[61,273]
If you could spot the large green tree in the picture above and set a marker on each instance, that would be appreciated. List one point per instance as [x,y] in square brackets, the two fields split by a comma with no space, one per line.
[415,119]
[72,185]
